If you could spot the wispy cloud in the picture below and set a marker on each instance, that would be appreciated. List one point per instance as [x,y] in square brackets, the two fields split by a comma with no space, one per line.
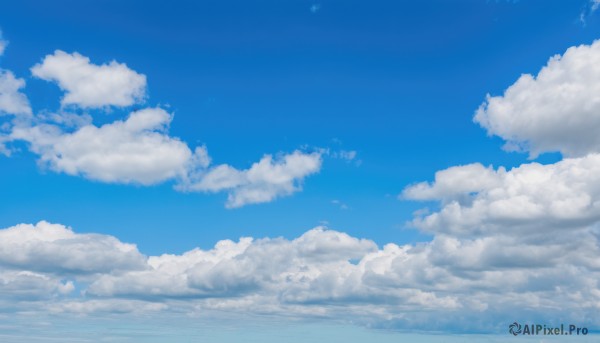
[339,204]
[3,44]
[589,9]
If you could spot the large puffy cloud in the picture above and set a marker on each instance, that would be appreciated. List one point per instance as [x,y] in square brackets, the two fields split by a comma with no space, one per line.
[89,85]
[557,110]
[262,182]
[136,150]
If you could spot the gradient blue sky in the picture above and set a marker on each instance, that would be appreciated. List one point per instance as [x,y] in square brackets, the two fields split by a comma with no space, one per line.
[396,81]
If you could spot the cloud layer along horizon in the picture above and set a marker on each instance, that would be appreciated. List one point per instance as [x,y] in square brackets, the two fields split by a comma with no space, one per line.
[322,274]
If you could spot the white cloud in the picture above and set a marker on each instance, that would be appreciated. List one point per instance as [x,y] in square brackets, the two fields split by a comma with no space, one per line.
[3,44]
[56,249]
[453,182]
[262,182]
[557,110]
[136,150]
[89,85]
[139,150]
[28,286]
[560,196]
[12,101]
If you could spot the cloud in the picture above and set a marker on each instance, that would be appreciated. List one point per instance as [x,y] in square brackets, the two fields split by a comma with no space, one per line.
[56,249]
[446,284]
[264,181]
[139,150]
[88,85]
[529,231]
[530,198]
[3,44]
[16,286]
[339,204]
[12,101]
[136,150]
[556,110]
[559,110]
[454,182]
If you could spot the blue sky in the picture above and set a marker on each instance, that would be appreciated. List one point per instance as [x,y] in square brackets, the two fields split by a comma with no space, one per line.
[357,102]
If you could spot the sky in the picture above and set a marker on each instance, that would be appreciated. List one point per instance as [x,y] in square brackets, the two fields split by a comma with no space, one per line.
[342,170]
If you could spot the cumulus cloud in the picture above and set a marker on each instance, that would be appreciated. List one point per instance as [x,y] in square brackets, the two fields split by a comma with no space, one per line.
[56,249]
[30,286]
[139,150]
[42,261]
[264,181]
[556,110]
[89,85]
[453,182]
[12,101]
[560,196]
[136,150]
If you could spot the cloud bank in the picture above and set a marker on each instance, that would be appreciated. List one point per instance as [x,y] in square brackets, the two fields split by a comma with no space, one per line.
[444,284]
